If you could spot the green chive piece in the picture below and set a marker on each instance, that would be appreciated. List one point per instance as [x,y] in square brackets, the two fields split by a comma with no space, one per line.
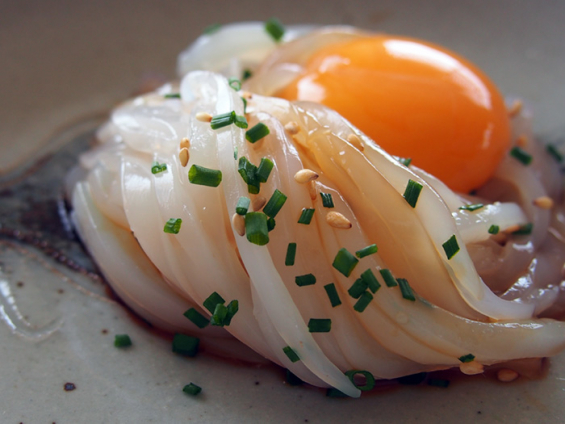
[305,280]
[556,154]
[210,29]
[213,300]
[363,301]
[372,282]
[390,281]
[521,155]
[327,201]
[234,83]
[244,100]
[405,161]
[241,122]
[358,288]
[242,205]
[246,169]
[271,224]
[219,315]
[292,379]
[290,254]
[306,216]
[366,251]
[319,325]
[172,226]
[246,74]
[264,170]
[451,247]
[413,379]
[368,377]
[275,203]
[185,345]
[412,192]
[335,393]
[197,318]
[438,382]
[291,353]
[256,133]
[222,120]
[233,307]
[275,29]
[345,262]
[192,389]
[158,167]
[256,228]
[472,207]
[467,358]
[172,96]
[204,176]
[406,290]
[332,294]
[494,229]
[524,230]
[122,340]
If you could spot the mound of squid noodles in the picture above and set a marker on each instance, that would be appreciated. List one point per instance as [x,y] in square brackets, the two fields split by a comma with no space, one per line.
[440,286]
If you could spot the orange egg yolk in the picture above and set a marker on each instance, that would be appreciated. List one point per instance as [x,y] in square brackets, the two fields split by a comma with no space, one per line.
[415,100]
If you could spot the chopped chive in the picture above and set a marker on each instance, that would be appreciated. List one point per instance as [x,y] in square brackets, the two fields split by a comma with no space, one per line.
[172,96]
[363,301]
[197,318]
[290,254]
[372,282]
[306,216]
[254,188]
[552,150]
[413,379]
[327,201]
[405,289]
[234,83]
[291,354]
[246,169]
[192,389]
[390,281]
[264,170]
[158,167]
[524,230]
[275,203]
[210,29]
[335,393]
[405,161]
[244,100]
[246,74]
[256,228]
[271,224]
[467,358]
[472,207]
[412,192]
[172,226]
[213,300]
[451,247]
[219,315]
[275,29]
[521,155]
[256,133]
[319,325]
[369,379]
[242,205]
[332,294]
[366,251]
[345,262]
[292,379]
[241,122]
[122,340]
[185,345]
[233,307]
[204,176]
[222,120]
[357,288]
[438,382]
[494,229]
[305,280]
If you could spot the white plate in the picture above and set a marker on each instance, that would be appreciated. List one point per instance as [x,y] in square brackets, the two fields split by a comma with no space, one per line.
[70,63]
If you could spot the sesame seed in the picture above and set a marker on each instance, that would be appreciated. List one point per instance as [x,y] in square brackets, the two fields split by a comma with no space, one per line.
[337,220]
[185,143]
[246,95]
[238,223]
[204,117]
[522,141]
[183,156]
[471,368]
[312,190]
[292,128]
[258,203]
[506,376]
[355,141]
[305,175]
[543,202]
[516,108]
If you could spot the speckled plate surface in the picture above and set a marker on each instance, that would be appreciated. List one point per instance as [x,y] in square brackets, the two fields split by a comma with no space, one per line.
[64,65]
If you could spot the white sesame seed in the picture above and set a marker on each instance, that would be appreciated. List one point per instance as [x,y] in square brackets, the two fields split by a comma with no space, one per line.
[312,190]
[185,142]
[258,203]
[506,376]
[184,156]
[471,368]
[337,220]
[355,141]
[204,117]
[246,95]
[543,202]
[515,109]
[292,128]
[305,175]
[238,223]
[522,141]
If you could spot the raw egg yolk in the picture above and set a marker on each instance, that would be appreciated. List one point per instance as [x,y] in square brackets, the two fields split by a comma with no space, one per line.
[415,100]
